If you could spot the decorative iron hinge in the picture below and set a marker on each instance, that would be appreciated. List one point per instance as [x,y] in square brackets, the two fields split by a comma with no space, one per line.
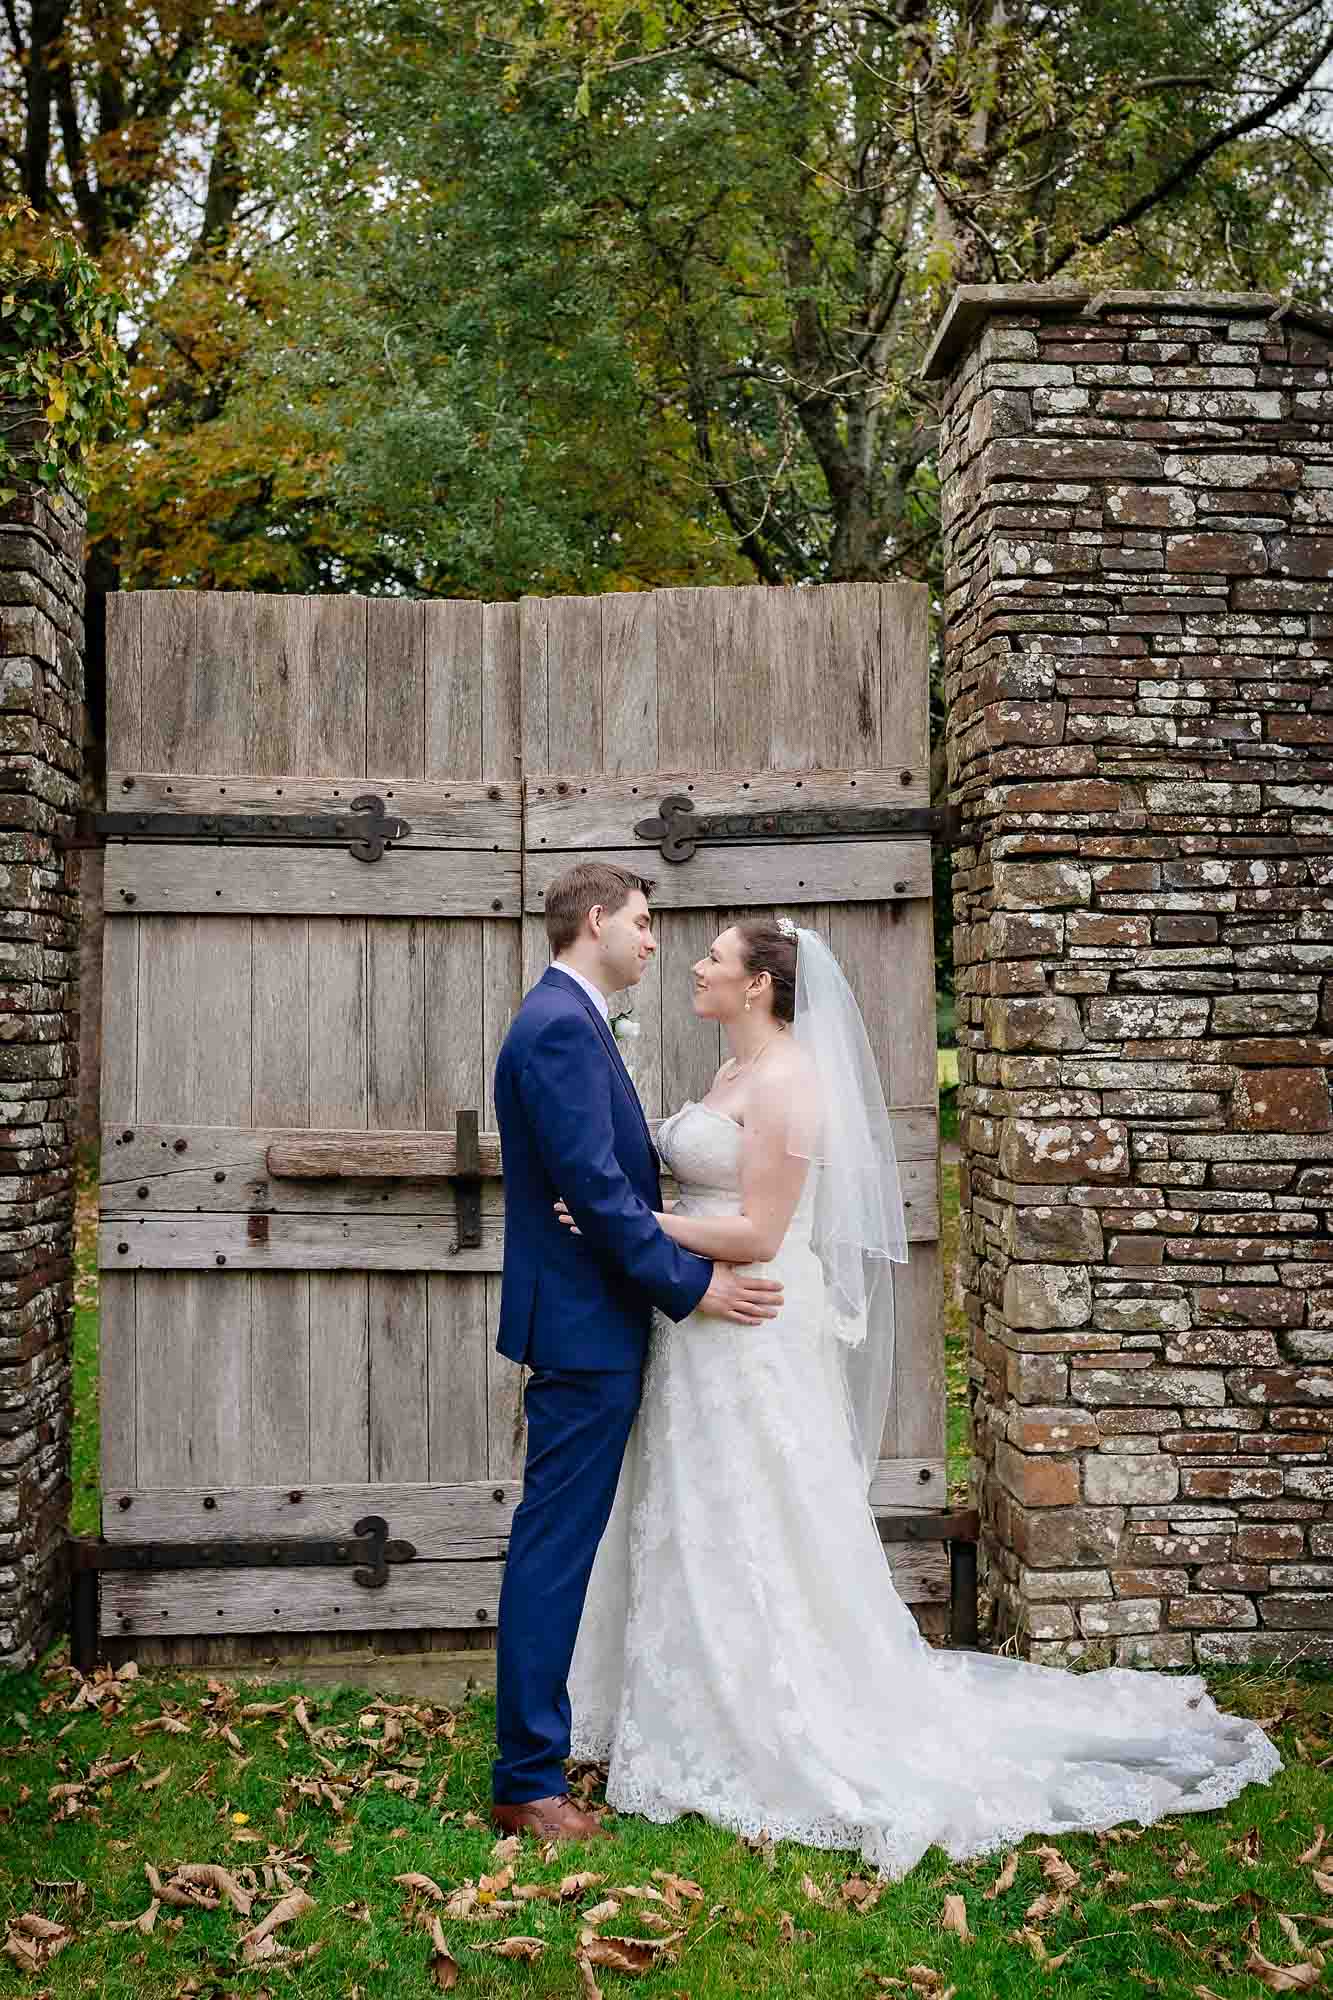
[368,1546]
[467,1180]
[677,829]
[363,828]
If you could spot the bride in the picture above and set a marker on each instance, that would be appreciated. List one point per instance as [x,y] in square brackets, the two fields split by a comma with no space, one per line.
[743,1653]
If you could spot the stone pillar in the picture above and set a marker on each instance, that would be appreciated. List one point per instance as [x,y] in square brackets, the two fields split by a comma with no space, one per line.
[41,692]
[1138,508]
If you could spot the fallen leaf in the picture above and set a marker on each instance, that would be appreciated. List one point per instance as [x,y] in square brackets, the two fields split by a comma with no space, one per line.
[1004,1880]
[1056,1869]
[208,1875]
[1046,1905]
[423,1884]
[627,1954]
[601,1913]
[1311,1853]
[292,1906]
[159,1778]
[528,1948]
[507,1849]
[1036,1944]
[675,1887]
[578,1885]
[955,1918]
[811,1890]
[443,1964]
[1190,1862]
[1281,1978]
[591,1990]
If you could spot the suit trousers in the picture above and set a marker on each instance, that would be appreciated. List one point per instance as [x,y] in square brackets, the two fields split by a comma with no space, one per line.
[579,1422]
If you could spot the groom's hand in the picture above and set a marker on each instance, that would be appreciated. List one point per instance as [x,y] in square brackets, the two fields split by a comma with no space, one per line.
[747,1301]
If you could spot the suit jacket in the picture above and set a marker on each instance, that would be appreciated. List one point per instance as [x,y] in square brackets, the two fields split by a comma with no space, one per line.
[571,1125]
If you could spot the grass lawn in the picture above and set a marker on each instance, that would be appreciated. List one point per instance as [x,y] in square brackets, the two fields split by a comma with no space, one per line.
[319,1805]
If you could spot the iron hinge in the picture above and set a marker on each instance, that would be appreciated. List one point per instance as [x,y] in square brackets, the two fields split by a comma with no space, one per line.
[368,1547]
[365,829]
[677,829]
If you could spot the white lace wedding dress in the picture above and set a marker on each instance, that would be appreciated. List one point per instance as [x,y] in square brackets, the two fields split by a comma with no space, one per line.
[743,1653]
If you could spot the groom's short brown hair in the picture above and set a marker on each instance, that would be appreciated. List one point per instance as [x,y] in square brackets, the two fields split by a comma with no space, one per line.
[572,895]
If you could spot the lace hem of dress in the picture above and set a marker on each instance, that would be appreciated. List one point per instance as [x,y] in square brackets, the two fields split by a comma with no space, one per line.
[893,1851]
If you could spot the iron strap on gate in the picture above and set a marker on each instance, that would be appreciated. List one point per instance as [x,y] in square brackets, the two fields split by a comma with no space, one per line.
[367,1551]
[364,829]
[677,829]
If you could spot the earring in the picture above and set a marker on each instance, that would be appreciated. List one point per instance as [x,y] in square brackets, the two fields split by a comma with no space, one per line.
[747,1003]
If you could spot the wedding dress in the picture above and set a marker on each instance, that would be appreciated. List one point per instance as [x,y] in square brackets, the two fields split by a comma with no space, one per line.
[744,1655]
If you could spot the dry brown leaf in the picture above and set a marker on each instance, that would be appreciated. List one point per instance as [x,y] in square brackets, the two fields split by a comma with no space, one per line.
[955,1918]
[528,1948]
[1004,1880]
[443,1964]
[144,1922]
[858,1894]
[578,1885]
[1190,1862]
[207,1875]
[627,1954]
[423,1884]
[1046,1905]
[1036,1944]
[462,1901]
[811,1890]
[1311,1853]
[1281,1978]
[1324,1883]
[494,1885]
[1056,1869]
[158,1778]
[1154,1903]
[287,1911]
[601,1913]
[676,1887]
[32,1941]
[925,1979]
[1192,1903]
[591,1990]
[507,1849]
[786,1927]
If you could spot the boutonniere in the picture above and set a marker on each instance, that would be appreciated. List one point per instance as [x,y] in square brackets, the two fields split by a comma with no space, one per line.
[626,1031]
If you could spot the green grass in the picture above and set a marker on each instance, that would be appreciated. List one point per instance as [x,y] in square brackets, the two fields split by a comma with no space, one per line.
[755,1932]
[735,1939]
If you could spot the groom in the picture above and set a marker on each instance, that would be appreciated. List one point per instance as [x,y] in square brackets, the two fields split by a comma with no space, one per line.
[577,1310]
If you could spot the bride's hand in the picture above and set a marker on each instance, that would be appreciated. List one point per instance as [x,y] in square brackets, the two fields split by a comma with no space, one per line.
[567,1219]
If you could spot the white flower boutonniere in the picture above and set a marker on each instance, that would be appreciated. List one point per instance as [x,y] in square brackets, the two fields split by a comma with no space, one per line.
[627,1031]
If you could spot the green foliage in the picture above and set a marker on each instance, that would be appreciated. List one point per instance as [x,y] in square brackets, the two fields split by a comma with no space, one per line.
[60,360]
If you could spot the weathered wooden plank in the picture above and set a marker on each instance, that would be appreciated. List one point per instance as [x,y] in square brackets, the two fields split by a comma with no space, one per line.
[501,694]
[124,678]
[456,1374]
[536,951]
[337,1021]
[223,1052]
[598,812]
[440,1518]
[506,1425]
[905,676]
[849,706]
[226,724]
[442,812]
[185,1242]
[167,651]
[117,1390]
[629,681]
[339,1375]
[317,882]
[220,1403]
[574,680]
[454,1024]
[534,684]
[501,995]
[120,1025]
[691,1048]
[278,1419]
[686,678]
[298,1600]
[418,1593]
[395,687]
[909,1484]
[279,1021]
[396,1014]
[454,648]
[803,676]
[277,739]
[326,653]
[166,1028]
[835,871]
[399,1441]
[267,1154]
[745,637]
[164,1376]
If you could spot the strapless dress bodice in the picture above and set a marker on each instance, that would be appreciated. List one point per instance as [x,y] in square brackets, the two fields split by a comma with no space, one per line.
[701,1148]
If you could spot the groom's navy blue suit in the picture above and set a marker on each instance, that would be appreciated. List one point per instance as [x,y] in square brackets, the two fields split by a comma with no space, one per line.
[577,1310]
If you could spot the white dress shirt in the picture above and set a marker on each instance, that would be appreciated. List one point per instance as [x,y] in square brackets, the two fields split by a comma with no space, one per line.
[594,993]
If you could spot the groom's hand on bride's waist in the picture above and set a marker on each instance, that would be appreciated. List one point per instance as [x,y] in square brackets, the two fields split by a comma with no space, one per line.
[747,1301]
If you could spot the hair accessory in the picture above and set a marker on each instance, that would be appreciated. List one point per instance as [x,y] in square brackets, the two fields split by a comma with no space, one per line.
[787,927]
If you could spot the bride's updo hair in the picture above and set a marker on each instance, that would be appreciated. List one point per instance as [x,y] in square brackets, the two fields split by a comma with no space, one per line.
[765,948]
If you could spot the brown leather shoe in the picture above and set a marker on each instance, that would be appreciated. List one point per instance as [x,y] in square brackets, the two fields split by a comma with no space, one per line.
[550,1819]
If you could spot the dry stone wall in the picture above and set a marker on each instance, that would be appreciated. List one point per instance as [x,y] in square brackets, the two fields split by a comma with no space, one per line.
[41,694]
[1138,501]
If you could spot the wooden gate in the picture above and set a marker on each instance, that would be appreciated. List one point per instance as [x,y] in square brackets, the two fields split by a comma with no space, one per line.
[301,1209]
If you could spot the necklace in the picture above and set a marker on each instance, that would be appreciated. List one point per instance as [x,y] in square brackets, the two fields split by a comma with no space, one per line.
[736,1067]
